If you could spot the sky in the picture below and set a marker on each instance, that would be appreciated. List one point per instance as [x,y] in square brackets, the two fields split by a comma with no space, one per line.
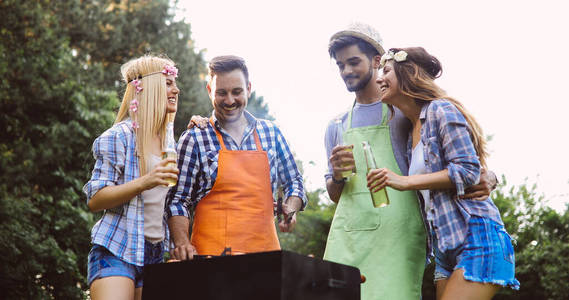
[506,61]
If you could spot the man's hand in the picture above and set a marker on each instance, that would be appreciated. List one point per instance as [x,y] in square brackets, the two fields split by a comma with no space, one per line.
[198,121]
[481,191]
[291,206]
[341,160]
[179,232]
[184,251]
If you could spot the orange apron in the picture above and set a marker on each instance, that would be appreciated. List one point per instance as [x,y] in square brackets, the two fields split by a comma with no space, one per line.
[237,212]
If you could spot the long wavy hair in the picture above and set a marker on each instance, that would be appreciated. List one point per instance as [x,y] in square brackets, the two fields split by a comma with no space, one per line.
[416,77]
[151,115]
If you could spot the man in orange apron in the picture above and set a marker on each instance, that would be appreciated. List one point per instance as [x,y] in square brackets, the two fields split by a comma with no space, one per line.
[229,172]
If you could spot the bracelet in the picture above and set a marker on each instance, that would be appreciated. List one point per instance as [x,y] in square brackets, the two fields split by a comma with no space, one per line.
[338,181]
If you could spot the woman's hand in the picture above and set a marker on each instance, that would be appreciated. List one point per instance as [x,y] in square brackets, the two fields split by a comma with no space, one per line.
[164,170]
[198,121]
[380,178]
[115,195]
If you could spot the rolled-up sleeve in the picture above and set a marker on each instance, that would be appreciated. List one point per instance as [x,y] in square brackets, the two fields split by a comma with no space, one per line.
[458,150]
[109,151]
[329,143]
[288,172]
[179,197]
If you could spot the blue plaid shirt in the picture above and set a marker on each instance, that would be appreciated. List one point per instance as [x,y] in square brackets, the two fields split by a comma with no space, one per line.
[445,134]
[120,229]
[197,160]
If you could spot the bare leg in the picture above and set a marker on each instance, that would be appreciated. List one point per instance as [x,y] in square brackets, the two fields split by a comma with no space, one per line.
[112,288]
[138,293]
[441,285]
[458,288]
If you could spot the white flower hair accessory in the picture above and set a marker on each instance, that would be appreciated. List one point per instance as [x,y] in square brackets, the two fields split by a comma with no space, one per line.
[398,57]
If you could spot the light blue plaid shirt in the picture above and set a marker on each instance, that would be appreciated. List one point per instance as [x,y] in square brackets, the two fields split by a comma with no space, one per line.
[197,160]
[120,229]
[446,137]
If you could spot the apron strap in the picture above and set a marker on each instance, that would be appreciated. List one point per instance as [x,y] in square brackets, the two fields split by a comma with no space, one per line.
[218,134]
[384,119]
[257,140]
[350,118]
[384,110]
[220,138]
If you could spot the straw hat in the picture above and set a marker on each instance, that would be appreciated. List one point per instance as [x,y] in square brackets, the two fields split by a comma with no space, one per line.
[364,32]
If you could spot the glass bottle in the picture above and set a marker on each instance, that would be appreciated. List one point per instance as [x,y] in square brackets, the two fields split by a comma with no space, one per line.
[340,142]
[169,149]
[379,198]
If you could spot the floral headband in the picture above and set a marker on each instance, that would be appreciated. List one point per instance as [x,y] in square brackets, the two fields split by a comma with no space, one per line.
[398,57]
[168,70]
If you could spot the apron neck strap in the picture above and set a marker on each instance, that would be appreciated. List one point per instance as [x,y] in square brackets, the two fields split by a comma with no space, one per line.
[350,116]
[220,138]
[384,110]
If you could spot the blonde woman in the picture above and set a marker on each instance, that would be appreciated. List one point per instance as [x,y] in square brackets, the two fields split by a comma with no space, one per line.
[446,149]
[129,181]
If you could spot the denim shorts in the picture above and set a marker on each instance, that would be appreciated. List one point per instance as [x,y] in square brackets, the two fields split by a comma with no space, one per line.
[102,263]
[486,255]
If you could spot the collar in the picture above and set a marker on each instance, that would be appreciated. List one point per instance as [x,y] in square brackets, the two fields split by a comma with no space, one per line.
[424,108]
[251,120]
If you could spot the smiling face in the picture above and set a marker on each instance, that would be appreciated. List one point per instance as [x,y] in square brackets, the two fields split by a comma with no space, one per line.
[172,92]
[388,84]
[229,92]
[355,67]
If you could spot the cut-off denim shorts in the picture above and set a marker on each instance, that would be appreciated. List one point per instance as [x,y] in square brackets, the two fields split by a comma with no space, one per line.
[486,256]
[102,263]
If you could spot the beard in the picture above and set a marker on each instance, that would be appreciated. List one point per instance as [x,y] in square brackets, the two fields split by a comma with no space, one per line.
[360,85]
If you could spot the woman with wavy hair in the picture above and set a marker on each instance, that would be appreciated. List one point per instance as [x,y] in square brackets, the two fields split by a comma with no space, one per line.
[446,152]
[130,180]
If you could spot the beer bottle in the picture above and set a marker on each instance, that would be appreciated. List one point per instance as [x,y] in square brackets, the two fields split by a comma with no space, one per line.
[379,198]
[340,142]
[169,149]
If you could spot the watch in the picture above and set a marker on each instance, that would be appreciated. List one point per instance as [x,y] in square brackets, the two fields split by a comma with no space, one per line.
[338,181]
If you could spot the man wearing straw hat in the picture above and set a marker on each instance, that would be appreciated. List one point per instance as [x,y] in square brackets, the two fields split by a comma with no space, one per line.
[387,244]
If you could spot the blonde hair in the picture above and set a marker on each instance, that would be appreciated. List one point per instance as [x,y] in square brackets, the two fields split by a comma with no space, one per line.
[416,77]
[151,115]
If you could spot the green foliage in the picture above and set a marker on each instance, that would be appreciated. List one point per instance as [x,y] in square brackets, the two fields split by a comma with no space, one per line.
[542,243]
[59,87]
[108,34]
[311,230]
[257,107]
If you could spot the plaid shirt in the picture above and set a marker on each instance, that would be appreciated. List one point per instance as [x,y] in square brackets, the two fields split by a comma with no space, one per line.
[446,137]
[120,229]
[198,154]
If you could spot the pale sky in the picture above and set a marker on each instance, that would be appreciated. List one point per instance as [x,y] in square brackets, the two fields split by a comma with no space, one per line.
[505,60]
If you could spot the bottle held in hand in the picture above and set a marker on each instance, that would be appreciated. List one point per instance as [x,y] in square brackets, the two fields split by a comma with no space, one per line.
[379,198]
[169,149]
[340,142]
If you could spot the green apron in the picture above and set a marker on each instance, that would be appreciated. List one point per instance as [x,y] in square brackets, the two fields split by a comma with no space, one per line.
[387,244]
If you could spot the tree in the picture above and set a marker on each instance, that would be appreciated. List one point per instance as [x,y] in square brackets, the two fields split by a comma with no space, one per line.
[59,87]
[541,240]
[257,107]
[44,229]
[541,243]
[311,231]
[108,34]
